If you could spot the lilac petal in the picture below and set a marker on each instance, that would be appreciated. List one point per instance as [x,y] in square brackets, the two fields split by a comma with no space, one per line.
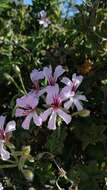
[47,72]
[81,97]
[36,75]
[34,93]
[32,101]
[26,121]
[58,71]
[37,119]
[46,114]
[11,126]
[5,155]
[37,94]
[52,91]
[77,79]
[41,22]
[45,23]
[42,13]
[19,112]
[21,102]
[41,92]
[66,117]
[2,121]
[52,121]
[68,104]
[28,100]
[66,81]
[78,104]
[66,92]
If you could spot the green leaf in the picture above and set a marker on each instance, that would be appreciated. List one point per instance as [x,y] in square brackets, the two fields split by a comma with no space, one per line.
[4,4]
[55,142]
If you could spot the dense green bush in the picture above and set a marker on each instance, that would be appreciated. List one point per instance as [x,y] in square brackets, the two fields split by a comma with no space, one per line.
[73,156]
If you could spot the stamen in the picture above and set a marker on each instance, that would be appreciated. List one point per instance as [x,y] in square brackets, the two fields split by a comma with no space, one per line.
[74,87]
[51,80]
[56,102]
[2,134]
[36,86]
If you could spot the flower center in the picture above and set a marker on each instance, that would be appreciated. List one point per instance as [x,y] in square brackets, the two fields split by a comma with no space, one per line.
[2,134]
[56,102]
[51,80]
[74,86]
[36,86]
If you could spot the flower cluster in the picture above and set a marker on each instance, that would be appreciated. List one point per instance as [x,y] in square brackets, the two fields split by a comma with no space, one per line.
[58,100]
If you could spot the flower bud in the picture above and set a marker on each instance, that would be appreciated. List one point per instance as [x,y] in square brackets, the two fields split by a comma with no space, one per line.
[16,69]
[28,174]
[8,77]
[31,188]
[11,79]
[84,113]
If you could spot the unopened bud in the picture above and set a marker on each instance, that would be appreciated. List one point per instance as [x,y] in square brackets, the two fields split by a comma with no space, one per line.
[28,174]
[31,188]
[84,113]
[8,77]
[16,69]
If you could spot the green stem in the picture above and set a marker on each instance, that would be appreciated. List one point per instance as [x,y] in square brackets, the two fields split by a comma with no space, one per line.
[20,77]
[58,184]
[14,156]
[8,166]
[10,161]
[59,131]
[16,85]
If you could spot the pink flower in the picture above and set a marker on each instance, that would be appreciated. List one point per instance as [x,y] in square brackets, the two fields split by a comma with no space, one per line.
[26,106]
[74,84]
[52,77]
[5,135]
[44,20]
[69,91]
[55,109]
[42,14]
[35,77]
[76,100]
